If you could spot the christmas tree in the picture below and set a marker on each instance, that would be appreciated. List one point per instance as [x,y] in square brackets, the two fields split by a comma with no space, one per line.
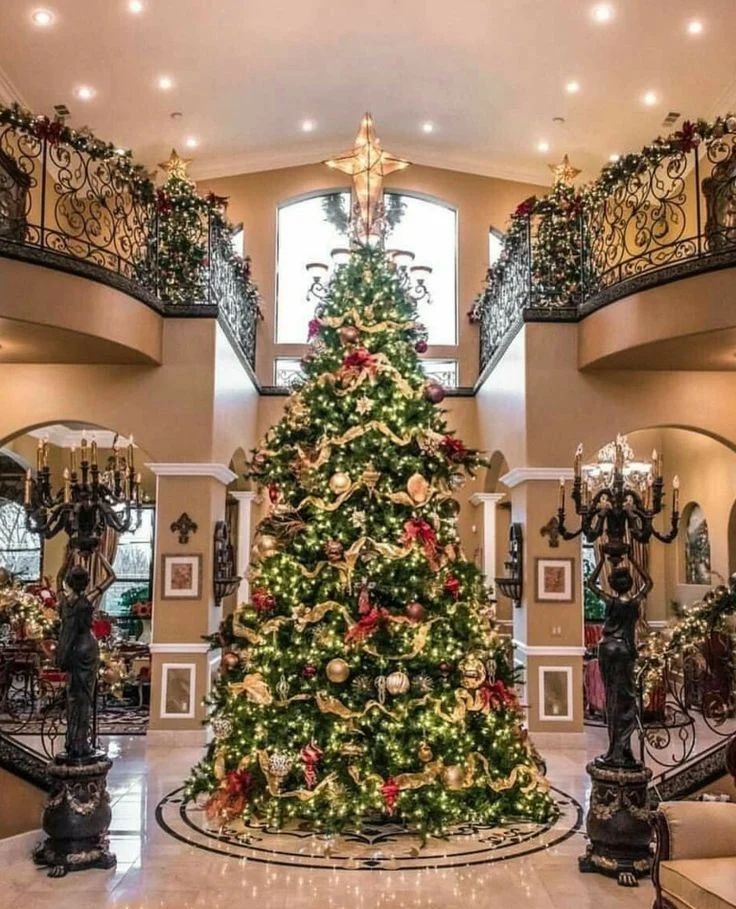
[364,676]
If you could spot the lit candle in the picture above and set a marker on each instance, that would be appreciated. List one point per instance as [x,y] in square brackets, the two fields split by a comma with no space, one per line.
[73,459]
[578,460]
[67,486]
[655,463]
[27,489]
[84,449]
[648,498]
[562,494]
[130,452]
[94,451]
[45,459]
[675,493]
[137,495]
[39,454]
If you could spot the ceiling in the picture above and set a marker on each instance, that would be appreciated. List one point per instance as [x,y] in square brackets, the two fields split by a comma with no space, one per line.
[489,74]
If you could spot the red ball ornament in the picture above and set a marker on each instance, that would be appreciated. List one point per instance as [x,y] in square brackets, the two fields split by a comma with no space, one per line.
[309,671]
[230,660]
[434,393]
[421,346]
[415,611]
[452,586]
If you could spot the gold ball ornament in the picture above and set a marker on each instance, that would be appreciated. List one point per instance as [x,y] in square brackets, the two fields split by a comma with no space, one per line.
[230,660]
[340,482]
[473,672]
[453,776]
[112,674]
[424,753]
[397,683]
[349,334]
[338,671]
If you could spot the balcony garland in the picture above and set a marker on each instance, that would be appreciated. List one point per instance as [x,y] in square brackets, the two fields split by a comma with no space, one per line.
[180,269]
[556,214]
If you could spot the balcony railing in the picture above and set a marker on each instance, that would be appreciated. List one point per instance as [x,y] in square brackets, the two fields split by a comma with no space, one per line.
[72,202]
[650,218]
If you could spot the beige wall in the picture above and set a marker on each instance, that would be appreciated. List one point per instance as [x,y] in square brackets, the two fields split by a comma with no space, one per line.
[21,804]
[481,202]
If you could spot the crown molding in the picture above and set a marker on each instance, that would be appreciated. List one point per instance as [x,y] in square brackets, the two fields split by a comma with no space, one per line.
[193,469]
[63,437]
[521,474]
[255,162]
[9,91]
[245,495]
[198,647]
[544,651]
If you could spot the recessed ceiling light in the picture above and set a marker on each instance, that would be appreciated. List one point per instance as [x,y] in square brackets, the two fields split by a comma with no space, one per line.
[572,87]
[427,127]
[84,92]
[649,98]
[43,18]
[308,126]
[614,158]
[191,141]
[165,83]
[135,6]
[542,146]
[695,27]
[602,12]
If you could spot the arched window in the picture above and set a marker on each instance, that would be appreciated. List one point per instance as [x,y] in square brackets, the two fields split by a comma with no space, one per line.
[310,228]
[696,542]
[20,550]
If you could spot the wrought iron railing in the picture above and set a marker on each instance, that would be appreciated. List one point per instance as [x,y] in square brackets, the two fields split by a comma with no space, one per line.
[72,202]
[650,218]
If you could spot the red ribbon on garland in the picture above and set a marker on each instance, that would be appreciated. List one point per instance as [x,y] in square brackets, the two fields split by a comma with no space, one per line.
[390,792]
[367,624]
[497,696]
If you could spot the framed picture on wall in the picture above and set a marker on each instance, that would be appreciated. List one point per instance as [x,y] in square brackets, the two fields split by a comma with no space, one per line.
[554,580]
[181,577]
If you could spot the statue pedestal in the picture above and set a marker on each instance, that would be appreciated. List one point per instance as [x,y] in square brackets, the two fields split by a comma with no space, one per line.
[618,823]
[77,816]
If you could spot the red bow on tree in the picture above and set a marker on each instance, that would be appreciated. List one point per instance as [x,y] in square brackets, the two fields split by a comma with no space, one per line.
[496,695]
[50,130]
[390,792]
[417,530]
[454,449]
[366,624]
[311,755]
[232,796]
[452,586]
[360,359]
[262,600]
[313,329]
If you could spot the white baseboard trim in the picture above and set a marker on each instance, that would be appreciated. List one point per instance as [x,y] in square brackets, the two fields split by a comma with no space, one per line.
[176,738]
[554,740]
[18,848]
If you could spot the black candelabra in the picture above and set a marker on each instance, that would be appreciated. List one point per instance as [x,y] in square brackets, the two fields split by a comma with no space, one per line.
[89,502]
[617,500]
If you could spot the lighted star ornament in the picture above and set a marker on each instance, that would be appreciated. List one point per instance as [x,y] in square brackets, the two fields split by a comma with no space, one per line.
[176,166]
[367,163]
[563,172]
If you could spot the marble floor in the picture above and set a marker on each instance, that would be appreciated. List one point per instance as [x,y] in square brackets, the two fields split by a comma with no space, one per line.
[156,870]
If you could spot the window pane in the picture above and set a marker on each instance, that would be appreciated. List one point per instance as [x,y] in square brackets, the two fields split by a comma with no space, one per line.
[428,229]
[304,235]
[113,597]
[287,371]
[495,245]
[20,550]
[442,371]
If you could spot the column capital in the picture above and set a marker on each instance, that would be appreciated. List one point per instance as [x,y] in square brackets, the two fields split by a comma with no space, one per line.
[478,498]
[193,469]
[520,475]
[243,495]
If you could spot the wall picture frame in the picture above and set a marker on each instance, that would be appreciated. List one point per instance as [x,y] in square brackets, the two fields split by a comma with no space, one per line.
[181,576]
[554,580]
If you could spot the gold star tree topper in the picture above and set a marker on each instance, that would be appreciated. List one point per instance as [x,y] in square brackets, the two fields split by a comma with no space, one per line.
[367,163]
[563,172]
[176,166]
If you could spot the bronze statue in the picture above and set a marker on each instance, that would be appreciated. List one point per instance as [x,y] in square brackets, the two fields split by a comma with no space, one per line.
[617,655]
[78,654]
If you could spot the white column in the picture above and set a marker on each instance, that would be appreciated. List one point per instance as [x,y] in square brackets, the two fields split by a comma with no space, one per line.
[245,504]
[489,501]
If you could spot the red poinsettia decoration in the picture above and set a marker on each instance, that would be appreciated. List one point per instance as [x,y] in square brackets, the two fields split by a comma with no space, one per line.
[50,130]
[358,360]
[310,756]
[454,449]
[497,696]
[231,798]
[313,329]
[418,531]
[367,624]
[525,208]
[452,586]
[262,600]
[390,792]
[687,137]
